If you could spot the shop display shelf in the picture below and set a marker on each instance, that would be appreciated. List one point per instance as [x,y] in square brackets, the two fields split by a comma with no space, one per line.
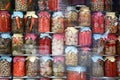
[8,77]
[106,78]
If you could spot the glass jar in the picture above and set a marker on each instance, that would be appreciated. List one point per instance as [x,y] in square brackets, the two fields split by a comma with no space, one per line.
[21,5]
[45,44]
[17,44]
[108,5]
[118,65]
[110,46]
[58,44]
[85,37]
[71,36]
[76,73]
[98,22]
[71,56]
[30,44]
[44,79]
[30,5]
[5,66]
[53,5]
[19,66]
[110,67]
[57,22]
[4,21]
[5,43]
[111,22]
[17,22]
[58,66]
[46,66]
[44,21]
[84,18]
[118,45]
[5,4]
[32,66]
[97,66]
[31,22]
[42,4]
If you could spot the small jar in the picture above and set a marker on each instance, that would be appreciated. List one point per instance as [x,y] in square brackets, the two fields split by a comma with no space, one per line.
[19,66]
[53,5]
[32,66]
[118,65]
[111,22]
[44,21]
[44,79]
[110,67]
[5,66]
[30,44]
[58,44]
[118,45]
[5,43]
[17,22]
[76,73]
[46,66]
[57,22]
[31,22]
[21,5]
[71,56]
[71,36]
[17,44]
[4,21]
[45,44]
[5,4]
[43,4]
[108,5]
[98,22]
[84,18]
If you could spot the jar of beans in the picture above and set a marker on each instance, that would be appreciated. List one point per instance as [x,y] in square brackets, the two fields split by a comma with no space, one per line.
[21,5]
[118,45]
[43,4]
[5,4]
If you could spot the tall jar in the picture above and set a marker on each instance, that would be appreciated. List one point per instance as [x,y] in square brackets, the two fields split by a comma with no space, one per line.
[97,66]
[58,44]
[31,22]
[76,73]
[118,45]
[44,21]
[17,22]
[19,66]
[71,36]
[108,5]
[5,66]
[21,5]
[45,44]
[98,22]
[17,44]
[118,66]
[53,5]
[84,18]
[5,4]
[85,37]
[57,22]
[4,21]
[30,44]
[111,22]
[32,66]
[71,56]
[46,66]
[42,4]
[58,66]
[110,46]
[110,67]
[5,43]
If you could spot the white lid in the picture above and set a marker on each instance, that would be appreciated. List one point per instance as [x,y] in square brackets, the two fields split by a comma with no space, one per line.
[17,35]
[32,58]
[58,14]
[110,58]
[95,58]
[31,13]
[77,69]
[97,36]
[71,48]
[17,13]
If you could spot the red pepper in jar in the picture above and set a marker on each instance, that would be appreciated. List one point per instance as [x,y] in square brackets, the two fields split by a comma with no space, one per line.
[53,5]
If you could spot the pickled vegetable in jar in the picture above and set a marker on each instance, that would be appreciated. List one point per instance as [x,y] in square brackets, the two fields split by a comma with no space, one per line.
[76,73]
[17,22]
[118,65]
[43,4]
[111,22]
[5,43]
[44,21]
[53,5]
[46,66]
[118,45]
[108,5]
[71,36]
[30,44]
[58,22]
[4,21]
[44,79]
[19,66]
[110,67]
[30,5]
[71,56]
[32,66]
[5,66]
[85,37]
[58,44]
[21,5]
[98,22]
[5,4]
[45,44]
[31,22]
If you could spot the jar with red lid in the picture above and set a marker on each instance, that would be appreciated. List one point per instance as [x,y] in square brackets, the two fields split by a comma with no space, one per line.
[21,5]
[5,4]
[53,5]
[118,45]
[45,44]
[85,37]
[110,67]
[98,22]
[76,73]
[4,21]
[43,4]
[43,21]
[118,66]
[108,5]
[19,66]
[44,79]
[31,22]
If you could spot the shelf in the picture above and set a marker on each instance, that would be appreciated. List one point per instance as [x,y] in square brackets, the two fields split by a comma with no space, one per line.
[108,78]
[6,77]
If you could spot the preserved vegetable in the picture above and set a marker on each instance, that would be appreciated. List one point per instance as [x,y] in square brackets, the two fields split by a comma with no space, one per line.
[30,5]
[21,5]
[108,5]
[42,4]
[53,5]
[44,79]
[118,45]
[5,4]
[118,66]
